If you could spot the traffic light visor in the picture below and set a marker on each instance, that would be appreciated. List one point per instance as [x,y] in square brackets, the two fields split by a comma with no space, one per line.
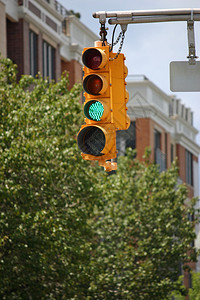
[94,58]
[91,140]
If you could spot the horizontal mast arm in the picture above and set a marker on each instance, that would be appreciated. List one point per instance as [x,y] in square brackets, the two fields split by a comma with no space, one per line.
[148,16]
[152,19]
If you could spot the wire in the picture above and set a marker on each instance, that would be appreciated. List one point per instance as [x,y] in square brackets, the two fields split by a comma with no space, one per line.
[112,44]
[120,48]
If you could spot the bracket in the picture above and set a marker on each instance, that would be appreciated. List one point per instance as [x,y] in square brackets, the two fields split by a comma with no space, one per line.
[123,27]
[103,29]
[102,17]
[108,165]
[191,41]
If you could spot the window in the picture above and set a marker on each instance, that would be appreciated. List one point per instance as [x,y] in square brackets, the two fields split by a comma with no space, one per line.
[166,149]
[159,157]
[64,26]
[131,136]
[157,144]
[190,280]
[126,139]
[189,167]
[191,218]
[33,43]
[172,153]
[48,61]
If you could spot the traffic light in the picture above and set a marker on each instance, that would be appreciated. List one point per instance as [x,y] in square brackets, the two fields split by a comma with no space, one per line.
[105,104]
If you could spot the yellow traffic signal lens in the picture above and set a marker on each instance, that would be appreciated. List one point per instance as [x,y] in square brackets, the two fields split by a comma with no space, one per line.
[93,84]
[94,58]
[94,110]
[91,140]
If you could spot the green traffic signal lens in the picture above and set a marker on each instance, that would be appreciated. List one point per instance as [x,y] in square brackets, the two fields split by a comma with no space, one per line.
[96,110]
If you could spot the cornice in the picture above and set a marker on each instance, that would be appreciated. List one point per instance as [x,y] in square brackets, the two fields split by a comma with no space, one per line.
[76,52]
[187,143]
[149,111]
[186,123]
[150,84]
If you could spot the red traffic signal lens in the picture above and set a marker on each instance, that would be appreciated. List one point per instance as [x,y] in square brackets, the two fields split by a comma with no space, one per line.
[91,140]
[92,58]
[93,84]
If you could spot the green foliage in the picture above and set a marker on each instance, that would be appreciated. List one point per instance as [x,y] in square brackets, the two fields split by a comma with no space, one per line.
[46,196]
[182,292]
[194,293]
[76,14]
[143,233]
[69,230]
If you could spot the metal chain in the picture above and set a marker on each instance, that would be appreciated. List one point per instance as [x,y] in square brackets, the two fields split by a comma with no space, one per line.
[120,47]
[103,34]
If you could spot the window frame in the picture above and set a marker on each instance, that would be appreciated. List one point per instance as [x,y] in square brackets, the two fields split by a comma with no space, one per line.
[33,53]
[189,167]
[48,53]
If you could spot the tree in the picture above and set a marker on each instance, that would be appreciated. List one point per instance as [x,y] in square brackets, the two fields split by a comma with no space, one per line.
[194,292]
[47,191]
[68,230]
[143,233]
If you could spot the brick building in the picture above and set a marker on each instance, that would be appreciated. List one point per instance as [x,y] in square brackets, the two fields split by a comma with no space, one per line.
[162,123]
[42,36]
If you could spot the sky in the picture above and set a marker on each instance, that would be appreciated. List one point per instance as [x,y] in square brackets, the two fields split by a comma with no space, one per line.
[149,48]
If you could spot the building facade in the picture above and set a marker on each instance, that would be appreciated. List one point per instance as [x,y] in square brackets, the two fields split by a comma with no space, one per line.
[42,36]
[164,124]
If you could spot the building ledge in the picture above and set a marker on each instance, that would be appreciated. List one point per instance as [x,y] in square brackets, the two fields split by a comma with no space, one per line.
[187,143]
[50,9]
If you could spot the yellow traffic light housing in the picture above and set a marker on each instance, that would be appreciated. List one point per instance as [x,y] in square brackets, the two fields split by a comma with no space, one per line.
[119,95]
[105,104]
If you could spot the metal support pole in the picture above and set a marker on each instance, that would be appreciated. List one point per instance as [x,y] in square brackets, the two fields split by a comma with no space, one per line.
[166,13]
[191,41]
[151,19]
[148,16]
[159,15]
